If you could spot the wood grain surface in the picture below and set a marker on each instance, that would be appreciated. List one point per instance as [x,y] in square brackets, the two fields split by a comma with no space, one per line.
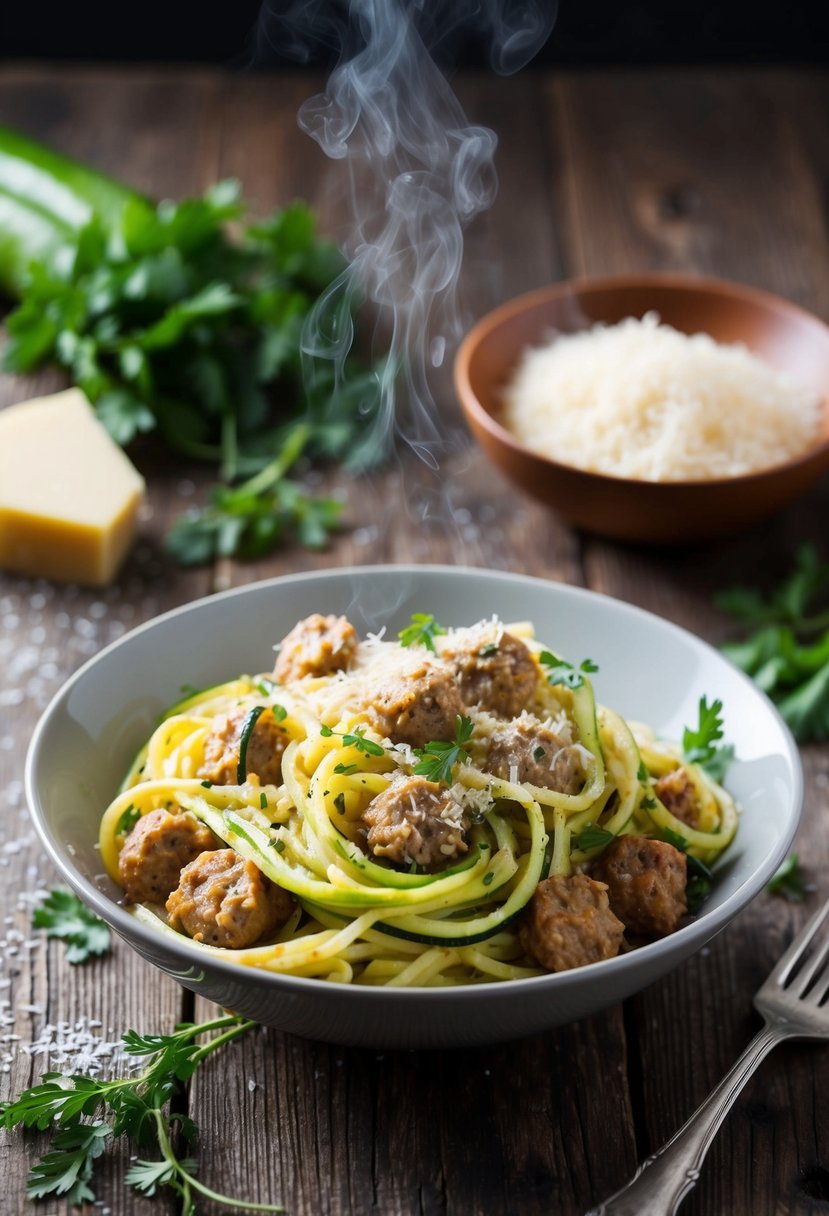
[721,172]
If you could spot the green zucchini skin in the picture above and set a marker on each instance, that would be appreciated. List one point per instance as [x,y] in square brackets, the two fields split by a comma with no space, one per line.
[27,234]
[45,199]
[251,718]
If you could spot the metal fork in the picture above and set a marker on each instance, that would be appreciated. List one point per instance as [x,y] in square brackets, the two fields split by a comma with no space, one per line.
[793,1004]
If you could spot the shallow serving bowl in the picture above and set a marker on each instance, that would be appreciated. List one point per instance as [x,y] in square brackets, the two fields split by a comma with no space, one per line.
[650,670]
[780,333]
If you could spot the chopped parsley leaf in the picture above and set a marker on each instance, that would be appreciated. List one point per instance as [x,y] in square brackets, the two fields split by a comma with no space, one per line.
[593,837]
[700,743]
[422,631]
[561,672]
[487,878]
[63,915]
[356,738]
[487,651]
[648,803]
[642,771]
[438,758]
[339,802]
[127,821]
[539,753]
[345,768]
[279,844]
[263,801]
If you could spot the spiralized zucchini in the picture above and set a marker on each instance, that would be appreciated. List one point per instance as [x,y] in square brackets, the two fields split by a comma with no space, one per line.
[358,918]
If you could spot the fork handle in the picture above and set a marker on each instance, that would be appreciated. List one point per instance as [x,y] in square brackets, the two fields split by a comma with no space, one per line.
[662,1181]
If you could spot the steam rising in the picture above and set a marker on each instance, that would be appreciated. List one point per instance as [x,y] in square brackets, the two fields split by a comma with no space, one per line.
[416,172]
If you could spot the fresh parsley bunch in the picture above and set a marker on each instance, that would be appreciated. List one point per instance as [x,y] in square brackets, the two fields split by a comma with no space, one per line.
[88,1112]
[786,646]
[185,319]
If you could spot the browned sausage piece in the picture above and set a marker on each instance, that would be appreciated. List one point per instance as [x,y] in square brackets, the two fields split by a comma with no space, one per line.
[155,851]
[416,706]
[317,646]
[498,674]
[224,900]
[266,744]
[568,923]
[526,751]
[646,883]
[416,820]
[677,792]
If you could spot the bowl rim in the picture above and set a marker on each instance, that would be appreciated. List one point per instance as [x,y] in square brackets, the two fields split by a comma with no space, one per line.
[693,935]
[586,285]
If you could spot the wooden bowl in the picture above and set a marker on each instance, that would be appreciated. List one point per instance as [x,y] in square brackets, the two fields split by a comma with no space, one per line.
[783,335]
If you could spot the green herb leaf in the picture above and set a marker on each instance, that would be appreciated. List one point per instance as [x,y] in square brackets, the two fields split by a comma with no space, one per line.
[63,915]
[422,631]
[788,880]
[699,744]
[127,821]
[356,739]
[559,671]
[592,837]
[786,651]
[438,759]
[67,1168]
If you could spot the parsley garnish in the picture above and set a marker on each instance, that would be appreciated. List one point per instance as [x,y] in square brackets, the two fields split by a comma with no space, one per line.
[788,880]
[263,801]
[354,738]
[345,768]
[539,753]
[642,771]
[422,631]
[559,671]
[487,878]
[699,745]
[648,803]
[438,758]
[786,650]
[592,837]
[137,1106]
[487,651]
[63,915]
[339,802]
[127,821]
[279,844]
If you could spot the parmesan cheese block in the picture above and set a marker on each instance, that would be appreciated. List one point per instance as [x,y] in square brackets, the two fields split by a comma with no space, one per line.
[69,497]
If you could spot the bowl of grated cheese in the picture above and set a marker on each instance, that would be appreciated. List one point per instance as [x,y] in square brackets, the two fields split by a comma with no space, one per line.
[652,408]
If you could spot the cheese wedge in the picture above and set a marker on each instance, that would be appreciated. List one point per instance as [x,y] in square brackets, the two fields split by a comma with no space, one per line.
[69,497]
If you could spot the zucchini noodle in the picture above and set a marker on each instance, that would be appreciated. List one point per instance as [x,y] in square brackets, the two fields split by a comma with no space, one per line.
[357,916]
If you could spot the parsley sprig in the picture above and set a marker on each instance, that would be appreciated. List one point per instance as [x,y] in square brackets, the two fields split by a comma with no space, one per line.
[700,744]
[422,631]
[63,916]
[90,1112]
[437,759]
[592,837]
[559,671]
[786,647]
[354,738]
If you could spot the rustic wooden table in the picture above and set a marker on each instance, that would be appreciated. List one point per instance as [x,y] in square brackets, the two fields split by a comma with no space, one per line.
[720,172]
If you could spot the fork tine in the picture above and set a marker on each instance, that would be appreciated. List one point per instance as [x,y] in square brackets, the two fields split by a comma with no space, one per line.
[795,951]
[810,969]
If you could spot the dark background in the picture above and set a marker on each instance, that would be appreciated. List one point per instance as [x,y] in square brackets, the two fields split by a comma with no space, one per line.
[587,32]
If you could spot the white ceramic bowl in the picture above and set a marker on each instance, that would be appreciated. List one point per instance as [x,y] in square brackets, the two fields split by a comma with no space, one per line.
[650,670]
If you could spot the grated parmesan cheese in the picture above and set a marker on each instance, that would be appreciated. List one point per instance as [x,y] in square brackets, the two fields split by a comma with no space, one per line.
[641,400]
